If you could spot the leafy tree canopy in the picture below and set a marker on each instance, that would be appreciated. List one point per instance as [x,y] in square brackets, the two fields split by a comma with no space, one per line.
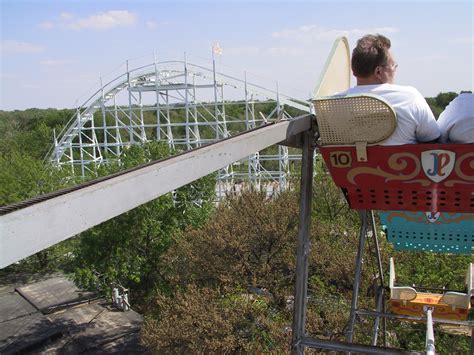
[127,249]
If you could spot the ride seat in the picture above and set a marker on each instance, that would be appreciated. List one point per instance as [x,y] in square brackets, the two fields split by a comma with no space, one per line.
[452,305]
[424,231]
[413,177]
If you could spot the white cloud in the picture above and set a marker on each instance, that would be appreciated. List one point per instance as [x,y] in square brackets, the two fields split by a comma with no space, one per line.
[12,47]
[308,33]
[248,50]
[281,51]
[66,16]
[103,20]
[55,62]
[100,21]
[151,25]
[7,76]
[465,40]
[428,58]
[47,25]
[30,86]
[287,51]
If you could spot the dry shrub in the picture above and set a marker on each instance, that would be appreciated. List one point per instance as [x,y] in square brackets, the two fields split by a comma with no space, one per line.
[250,241]
[202,320]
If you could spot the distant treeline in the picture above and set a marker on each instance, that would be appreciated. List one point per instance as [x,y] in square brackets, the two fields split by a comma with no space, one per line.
[31,130]
[440,101]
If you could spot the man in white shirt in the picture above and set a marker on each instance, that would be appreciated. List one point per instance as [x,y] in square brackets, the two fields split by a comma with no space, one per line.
[374,68]
[456,122]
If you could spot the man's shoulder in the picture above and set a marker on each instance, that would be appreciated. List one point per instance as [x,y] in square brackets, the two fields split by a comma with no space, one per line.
[465,98]
[404,89]
[405,94]
[379,89]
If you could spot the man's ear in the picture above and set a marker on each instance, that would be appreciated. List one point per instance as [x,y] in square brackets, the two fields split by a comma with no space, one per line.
[378,73]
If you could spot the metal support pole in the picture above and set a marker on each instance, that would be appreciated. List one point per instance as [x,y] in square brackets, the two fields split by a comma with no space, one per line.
[104,117]
[380,296]
[430,342]
[247,124]
[81,148]
[118,137]
[472,341]
[157,93]
[56,153]
[359,261]
[303,248]
[216,109]
[130,112]
[142,121]
[377,247]
[186,103]
[197,134]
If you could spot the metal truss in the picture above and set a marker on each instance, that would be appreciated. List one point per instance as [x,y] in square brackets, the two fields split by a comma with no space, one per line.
[184,105]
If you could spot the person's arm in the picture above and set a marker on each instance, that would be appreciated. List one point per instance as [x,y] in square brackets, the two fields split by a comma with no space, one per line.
[429,142]
[445,122]
[427,130]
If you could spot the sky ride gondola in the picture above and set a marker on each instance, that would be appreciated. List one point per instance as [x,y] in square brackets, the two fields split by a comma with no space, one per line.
[431,186]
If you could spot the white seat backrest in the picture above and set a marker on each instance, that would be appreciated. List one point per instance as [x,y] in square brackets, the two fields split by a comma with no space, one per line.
[457,299]
[351,119]
[470,280]
[392,273]
[401,293]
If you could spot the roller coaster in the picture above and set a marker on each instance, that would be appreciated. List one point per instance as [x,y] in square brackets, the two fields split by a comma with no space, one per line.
[179,103]
[372,177]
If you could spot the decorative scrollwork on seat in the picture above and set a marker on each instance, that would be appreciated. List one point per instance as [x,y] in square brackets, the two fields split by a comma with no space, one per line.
[397,163]
[458,169]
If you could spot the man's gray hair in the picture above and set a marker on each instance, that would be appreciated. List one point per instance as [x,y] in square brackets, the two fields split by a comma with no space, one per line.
[371,51]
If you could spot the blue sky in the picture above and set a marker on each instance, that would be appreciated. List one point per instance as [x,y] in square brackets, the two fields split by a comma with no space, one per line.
[53,52]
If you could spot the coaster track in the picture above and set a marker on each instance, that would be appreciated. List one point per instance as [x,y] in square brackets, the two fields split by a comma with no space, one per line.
[182,104]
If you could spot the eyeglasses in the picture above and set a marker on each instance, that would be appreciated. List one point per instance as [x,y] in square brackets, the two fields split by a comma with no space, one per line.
[392,66]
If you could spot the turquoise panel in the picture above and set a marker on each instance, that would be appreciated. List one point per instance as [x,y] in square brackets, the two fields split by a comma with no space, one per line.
[438,233]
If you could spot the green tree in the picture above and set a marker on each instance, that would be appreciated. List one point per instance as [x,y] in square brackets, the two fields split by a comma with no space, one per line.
[127,249]
[439,103]
[23,177]
[30,131]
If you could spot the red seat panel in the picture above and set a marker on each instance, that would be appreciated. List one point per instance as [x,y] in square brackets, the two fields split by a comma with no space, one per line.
[415,177]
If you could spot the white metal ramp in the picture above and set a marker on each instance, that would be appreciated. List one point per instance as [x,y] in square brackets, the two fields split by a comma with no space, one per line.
[30,227]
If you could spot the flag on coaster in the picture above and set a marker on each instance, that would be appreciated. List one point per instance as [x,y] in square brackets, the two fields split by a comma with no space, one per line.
[216,49]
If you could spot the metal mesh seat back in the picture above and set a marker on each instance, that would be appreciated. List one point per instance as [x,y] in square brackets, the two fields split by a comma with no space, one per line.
[350,119]
[419,231]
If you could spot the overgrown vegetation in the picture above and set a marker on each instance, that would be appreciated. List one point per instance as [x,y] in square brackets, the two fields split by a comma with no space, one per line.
[217,278]
[127,250]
